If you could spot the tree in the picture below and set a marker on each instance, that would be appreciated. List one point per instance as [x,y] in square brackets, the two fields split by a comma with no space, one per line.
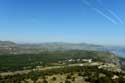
[73,78]
[54,78]
[45,81]
[68,77]
[67,81]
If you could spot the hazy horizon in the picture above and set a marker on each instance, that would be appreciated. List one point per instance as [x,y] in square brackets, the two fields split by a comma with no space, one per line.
[22,42]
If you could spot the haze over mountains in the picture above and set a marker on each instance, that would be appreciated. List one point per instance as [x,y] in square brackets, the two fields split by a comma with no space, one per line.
[9,47]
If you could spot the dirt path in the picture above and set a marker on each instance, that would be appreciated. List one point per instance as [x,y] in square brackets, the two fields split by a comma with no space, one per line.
[40,69]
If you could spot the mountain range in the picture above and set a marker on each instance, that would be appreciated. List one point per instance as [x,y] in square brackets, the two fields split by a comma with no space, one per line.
[9,47]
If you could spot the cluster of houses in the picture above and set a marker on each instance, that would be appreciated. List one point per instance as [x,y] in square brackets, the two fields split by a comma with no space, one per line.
[76,60]
[80,60]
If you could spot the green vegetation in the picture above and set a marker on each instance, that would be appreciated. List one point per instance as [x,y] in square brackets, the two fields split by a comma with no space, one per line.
[64,74]
[89,74]
[29,61]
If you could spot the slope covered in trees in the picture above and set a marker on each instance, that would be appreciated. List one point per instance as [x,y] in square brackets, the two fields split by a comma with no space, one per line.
[28,61]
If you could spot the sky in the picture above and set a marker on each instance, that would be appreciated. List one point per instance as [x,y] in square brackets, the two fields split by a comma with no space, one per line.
[76,21]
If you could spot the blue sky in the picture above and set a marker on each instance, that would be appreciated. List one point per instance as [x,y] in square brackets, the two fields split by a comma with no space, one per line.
[91,21]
